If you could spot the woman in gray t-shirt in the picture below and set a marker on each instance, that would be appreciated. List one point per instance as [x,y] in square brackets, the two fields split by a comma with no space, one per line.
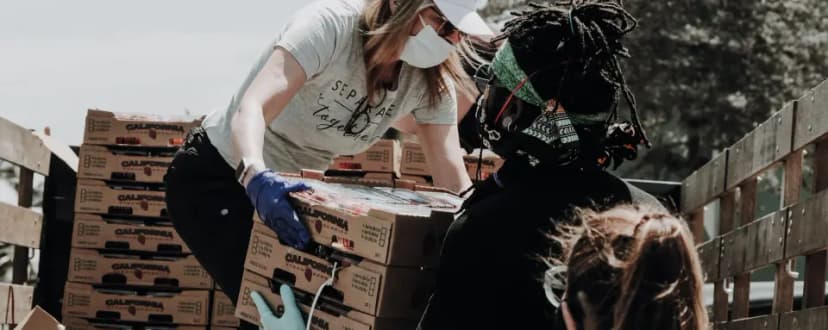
[337,77]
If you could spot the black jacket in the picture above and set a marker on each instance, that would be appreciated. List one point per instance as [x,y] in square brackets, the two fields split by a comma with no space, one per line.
[490,270]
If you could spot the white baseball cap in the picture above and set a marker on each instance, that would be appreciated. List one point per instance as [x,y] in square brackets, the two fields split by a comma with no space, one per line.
[463,14]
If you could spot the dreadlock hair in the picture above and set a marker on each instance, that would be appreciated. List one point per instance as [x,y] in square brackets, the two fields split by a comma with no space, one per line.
[570,50]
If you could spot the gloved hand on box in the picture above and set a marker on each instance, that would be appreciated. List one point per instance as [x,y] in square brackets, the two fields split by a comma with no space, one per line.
[269,193]
[291,319]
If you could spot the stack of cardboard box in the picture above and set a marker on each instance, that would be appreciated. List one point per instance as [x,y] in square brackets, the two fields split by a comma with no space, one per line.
[414,165]
[383,242]
[386,162]
[128,267]
[381,163]
[223,312]
[415,168]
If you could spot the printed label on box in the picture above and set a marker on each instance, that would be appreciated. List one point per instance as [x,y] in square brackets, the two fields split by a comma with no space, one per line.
[93,232]
[108,163]
[93,267]
[108,128]
[185,307]
[101,198]
[224,311]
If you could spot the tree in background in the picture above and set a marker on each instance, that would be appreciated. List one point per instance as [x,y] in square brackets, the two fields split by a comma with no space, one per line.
[706,72]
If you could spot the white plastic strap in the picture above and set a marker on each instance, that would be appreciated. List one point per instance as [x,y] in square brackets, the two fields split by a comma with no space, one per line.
[329,282]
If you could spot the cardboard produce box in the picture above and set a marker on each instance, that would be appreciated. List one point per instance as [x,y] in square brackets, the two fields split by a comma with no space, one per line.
[93,196]
[123,164]
[382,156]
[92,231]
[74,323]
[363,285]
[373,224]
[186,307]
[489,164]
[370,179]
[108,128]
[418,179]
[224,313]
[94,267]
[326,316]
[39,319]
[414,160]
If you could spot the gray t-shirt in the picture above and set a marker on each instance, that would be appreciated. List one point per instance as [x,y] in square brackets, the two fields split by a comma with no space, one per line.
[324,38]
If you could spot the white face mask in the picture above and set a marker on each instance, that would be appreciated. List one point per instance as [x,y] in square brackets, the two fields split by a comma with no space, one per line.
[426,49]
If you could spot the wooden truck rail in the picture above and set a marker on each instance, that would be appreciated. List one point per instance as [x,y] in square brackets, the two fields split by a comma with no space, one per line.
[746,243]
[19,225]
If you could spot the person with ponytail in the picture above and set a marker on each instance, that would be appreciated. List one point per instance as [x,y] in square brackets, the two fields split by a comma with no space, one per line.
[631,267]
[550,106]
[337,77]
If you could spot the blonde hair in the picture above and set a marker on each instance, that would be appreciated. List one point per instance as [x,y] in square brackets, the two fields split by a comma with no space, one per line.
[385,35]
[634,268]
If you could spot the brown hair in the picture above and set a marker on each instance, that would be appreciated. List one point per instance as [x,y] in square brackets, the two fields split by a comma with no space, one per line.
[632,267]
[385,35]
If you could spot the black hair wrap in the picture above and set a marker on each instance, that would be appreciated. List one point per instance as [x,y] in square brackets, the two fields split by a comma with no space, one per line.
[571,52]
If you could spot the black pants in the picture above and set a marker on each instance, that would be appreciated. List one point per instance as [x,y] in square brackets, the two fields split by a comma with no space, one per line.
[210,210]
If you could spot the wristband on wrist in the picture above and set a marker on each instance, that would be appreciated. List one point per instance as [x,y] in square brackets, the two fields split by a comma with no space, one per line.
[246,168]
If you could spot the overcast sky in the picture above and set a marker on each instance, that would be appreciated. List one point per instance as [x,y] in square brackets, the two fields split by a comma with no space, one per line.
[59,58]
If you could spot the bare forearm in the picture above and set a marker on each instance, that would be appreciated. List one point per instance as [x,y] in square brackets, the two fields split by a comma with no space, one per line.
[248,125]
[441,145]
[248,128]
[453,174]
[263,101]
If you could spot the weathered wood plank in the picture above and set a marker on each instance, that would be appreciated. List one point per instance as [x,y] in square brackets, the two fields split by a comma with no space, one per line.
[741,296]
[806,319]
[808,223]
[705,184]
[815,264]
[696,223]
[741,281]
[710,253]
[19,146]
[17,300]
[783,297]
[733,253]
[720,303]
[726,224]
[759,149]
[811,116]
[814,292]
[727,213]
[20,226]
[793,178]
[765,241]
[747,200]
[821,166]
[766,322]
[25,194]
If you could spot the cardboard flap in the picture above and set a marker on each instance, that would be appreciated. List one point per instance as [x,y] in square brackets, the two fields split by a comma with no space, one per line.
[38,319]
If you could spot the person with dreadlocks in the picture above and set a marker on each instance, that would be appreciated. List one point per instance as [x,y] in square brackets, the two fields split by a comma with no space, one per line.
[549,107]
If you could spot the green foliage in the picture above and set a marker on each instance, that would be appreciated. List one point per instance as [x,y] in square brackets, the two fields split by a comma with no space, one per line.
[705,72]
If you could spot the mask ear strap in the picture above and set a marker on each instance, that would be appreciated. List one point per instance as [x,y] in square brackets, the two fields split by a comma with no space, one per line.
[509,99]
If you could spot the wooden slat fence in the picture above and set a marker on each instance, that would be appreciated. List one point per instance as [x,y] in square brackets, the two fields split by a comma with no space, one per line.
[19,225]
[746,243]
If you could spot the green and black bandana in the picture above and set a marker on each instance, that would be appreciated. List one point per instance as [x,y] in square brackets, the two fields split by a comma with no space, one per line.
[517,122]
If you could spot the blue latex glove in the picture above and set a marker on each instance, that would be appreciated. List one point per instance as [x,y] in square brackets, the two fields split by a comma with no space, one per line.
[290,320]
[269,194]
